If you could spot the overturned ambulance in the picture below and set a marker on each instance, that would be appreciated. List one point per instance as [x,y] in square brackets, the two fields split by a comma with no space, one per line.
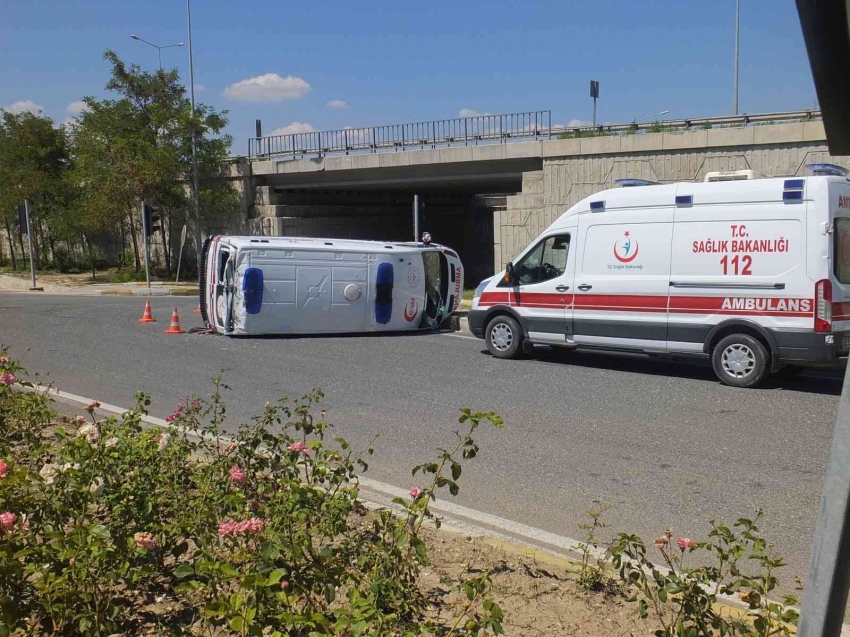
[295,285]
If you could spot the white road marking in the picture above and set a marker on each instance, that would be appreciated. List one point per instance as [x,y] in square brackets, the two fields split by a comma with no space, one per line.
[471,338]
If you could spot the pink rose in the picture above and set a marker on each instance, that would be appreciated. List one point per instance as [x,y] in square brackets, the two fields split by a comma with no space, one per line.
[298,447]
[145,540]
[4,469]
[661,542]
[284,584]
[251,526]
[237,475]
[685,544]
[414,492]
[7,520]
[8,379]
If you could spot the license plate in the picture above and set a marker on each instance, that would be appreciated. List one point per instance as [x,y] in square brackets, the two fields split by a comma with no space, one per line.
[845,342]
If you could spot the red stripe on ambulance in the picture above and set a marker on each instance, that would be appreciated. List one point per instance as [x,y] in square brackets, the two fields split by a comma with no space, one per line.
[753,306]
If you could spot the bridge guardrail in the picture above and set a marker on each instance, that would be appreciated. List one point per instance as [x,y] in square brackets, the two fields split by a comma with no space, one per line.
[482,129]
[462,131]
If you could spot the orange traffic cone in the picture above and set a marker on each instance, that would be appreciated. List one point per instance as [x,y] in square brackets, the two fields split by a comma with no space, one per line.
[174,328]
[198,310]
[147,317]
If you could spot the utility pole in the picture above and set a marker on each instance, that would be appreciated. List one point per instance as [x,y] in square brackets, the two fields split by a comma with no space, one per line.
[737,52]
[195,179]
[416,217]
[29,243]
[145,231]
[829,569]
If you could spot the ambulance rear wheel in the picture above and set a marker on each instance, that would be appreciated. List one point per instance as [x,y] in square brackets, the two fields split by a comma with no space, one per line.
[740,360]
[504,337]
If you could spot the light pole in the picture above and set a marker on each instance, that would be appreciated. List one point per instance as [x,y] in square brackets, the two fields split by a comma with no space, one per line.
[195,178]
[158,47]
[652,117]
[737,50]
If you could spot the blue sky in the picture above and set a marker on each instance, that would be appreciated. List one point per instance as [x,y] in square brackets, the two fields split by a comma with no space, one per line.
[393,62]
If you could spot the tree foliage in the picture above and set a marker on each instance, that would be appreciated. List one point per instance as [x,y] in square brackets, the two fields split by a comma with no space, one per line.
[87,180]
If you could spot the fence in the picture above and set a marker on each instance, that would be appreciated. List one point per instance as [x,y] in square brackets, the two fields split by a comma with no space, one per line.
[442,132]
[481,129]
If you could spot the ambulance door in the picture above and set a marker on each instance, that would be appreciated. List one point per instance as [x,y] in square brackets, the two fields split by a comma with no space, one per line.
[622,278]
[543,290]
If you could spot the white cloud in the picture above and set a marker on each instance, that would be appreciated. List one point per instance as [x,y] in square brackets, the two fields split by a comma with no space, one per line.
[468,112]
[294,127]
[23,106]
[578,123]
[340,105]
[270,87]
[200,88]
[75,108]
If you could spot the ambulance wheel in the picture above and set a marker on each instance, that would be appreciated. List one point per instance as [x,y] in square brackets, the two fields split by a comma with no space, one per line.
[504,337]
[740,360]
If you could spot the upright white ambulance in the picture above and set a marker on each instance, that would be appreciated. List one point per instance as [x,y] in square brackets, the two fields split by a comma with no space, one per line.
[298,285]
[753,274]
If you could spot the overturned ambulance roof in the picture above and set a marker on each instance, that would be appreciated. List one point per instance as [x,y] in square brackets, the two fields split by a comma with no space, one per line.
[343,245]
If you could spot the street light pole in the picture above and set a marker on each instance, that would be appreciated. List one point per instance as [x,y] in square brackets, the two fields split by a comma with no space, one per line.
[157,47]
[737,51]
[195,179]
[646,119]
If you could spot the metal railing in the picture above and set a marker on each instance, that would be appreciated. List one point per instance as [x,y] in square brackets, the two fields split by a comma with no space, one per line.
[463,131]
[483,129]
[689,123]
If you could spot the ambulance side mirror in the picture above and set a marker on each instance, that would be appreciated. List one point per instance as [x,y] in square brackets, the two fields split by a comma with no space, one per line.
[510,277]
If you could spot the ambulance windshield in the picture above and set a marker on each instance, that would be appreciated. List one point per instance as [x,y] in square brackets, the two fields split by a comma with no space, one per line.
[436,284]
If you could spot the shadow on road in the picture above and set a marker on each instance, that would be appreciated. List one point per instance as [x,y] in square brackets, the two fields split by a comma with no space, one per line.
[814,381]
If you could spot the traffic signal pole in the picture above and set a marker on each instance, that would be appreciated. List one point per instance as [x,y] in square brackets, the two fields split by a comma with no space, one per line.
[29,242]
[145,222]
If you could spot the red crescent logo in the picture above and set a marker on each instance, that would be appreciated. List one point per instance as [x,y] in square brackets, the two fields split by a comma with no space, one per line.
[626,259]
[410,310]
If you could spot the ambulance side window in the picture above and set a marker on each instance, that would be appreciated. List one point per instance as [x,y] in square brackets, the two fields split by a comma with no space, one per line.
[841,257]
[546,261]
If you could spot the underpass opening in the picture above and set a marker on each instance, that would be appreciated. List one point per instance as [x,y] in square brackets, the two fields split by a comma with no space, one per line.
[458,213]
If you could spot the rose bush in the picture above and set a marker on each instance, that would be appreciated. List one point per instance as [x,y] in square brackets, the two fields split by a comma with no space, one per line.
[102,522]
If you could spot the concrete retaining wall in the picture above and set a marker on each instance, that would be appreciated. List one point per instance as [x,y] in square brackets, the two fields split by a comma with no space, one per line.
[576,168]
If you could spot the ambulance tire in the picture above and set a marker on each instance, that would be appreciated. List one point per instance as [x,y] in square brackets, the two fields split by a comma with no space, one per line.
[739,360]
[504,337]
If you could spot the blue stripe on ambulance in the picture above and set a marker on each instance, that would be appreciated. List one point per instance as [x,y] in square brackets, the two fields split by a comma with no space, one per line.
[384,293]
[252,290]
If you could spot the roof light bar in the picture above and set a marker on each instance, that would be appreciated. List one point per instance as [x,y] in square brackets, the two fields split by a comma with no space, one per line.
[827,169]
[630,182]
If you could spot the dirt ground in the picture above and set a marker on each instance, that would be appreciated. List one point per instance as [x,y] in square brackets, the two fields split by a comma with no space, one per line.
[538,593]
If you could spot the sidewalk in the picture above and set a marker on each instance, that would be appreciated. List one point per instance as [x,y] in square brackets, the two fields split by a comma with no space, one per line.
[18,284]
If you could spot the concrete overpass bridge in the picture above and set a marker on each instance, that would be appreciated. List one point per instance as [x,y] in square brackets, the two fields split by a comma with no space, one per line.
[490,188]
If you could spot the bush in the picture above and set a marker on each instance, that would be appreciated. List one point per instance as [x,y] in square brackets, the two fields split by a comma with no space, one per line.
[127,276]
[684,599]
[107,527]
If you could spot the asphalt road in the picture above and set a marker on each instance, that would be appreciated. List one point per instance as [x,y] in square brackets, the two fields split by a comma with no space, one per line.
[663,442]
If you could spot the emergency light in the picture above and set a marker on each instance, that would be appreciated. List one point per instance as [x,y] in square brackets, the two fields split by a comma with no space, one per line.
[631,183]
[827,169]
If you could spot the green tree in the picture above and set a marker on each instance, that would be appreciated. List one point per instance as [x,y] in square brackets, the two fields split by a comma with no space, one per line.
[33,159]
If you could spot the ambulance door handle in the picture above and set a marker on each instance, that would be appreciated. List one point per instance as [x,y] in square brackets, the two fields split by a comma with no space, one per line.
[562,288]
[584,287]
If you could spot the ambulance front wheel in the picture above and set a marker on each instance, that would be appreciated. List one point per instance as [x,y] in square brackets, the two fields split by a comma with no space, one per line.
[504,337]
[740,360]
